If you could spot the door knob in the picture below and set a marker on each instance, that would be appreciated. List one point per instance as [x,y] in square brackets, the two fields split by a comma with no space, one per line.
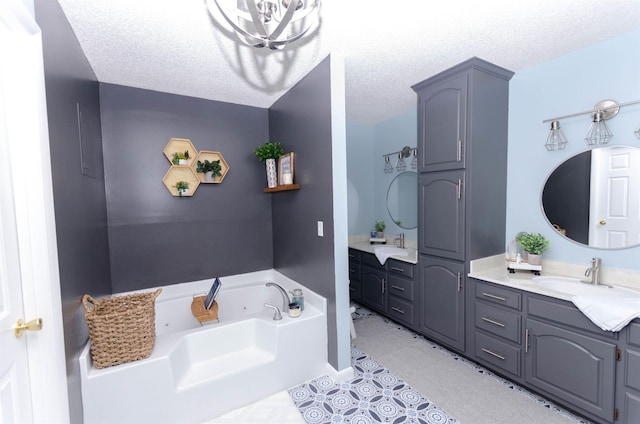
[20,326]
[603,222]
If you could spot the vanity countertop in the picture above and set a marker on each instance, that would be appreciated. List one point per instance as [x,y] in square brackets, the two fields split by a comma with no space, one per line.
[411,258]
[494,270]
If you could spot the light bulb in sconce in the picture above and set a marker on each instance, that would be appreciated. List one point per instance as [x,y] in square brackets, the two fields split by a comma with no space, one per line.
[598,131]
[400,165]
[556,139]
[387,165]
[414,159]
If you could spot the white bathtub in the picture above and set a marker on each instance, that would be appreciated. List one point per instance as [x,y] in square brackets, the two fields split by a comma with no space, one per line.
[196,372]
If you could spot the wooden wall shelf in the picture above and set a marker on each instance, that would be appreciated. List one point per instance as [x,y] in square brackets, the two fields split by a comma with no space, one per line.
[285,187]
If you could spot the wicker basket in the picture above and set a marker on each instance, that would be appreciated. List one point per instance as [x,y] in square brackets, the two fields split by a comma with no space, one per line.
[121,328]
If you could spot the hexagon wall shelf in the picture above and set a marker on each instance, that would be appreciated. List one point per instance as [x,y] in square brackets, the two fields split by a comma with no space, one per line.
[210,156]
[180,173]
[180,145]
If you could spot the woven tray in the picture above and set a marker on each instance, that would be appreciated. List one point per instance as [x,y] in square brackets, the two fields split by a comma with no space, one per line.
[121,328]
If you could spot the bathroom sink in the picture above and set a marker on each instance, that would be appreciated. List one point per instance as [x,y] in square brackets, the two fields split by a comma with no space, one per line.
[391,250]
[574,287]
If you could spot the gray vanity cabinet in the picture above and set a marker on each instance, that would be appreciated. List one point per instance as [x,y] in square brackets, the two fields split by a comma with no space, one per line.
[443,297]
[402,294]
[462,157]
[628,376]
[569,359]
[355,272]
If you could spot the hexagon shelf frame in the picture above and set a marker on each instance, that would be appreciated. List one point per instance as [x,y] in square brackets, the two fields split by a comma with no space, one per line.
[180,145]
[210,156]
[180,173]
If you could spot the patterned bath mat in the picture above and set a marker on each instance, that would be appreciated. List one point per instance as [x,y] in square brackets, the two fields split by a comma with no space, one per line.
[374,395]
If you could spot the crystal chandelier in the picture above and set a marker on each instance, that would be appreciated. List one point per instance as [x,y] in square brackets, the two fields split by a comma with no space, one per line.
[272,24]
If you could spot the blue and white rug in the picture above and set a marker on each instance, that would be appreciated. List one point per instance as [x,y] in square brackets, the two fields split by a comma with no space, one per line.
[374,395]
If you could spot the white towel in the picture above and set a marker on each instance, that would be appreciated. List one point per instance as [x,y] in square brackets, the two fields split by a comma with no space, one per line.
[608,313]
[383,253]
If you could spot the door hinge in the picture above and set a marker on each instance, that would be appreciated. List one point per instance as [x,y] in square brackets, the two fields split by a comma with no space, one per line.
[616,414]
[618,354]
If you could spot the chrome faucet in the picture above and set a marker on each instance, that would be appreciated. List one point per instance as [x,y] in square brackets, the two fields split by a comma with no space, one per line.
[401,239]
[285,296]
[594,272]
[276,312]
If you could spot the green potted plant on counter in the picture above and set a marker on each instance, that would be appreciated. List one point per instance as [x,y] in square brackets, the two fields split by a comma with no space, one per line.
[380,226]
[268,153]
[211,169]
[534,244]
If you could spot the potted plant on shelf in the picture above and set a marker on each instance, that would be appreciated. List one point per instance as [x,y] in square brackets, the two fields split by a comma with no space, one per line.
[182,187]
[534,244]
[380,226]
[268,153]
[211,169]
[180,158]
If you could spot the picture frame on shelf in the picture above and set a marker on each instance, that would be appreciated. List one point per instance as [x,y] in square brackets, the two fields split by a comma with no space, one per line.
[285,166]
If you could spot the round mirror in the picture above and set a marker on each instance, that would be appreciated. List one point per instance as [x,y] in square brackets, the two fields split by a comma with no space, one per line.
[402,200]
[593,198]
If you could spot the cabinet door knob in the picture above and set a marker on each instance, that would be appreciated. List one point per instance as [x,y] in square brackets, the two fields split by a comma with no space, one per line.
[603,222]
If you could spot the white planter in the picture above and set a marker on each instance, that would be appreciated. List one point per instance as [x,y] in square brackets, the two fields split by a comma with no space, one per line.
[183,161]
[534,259]
[208,176]
[272,173]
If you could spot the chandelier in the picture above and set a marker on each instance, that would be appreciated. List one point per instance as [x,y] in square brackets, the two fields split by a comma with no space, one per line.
[272,24]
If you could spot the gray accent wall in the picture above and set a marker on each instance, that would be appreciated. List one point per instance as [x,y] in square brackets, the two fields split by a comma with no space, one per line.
[301,121]
[157,239]
[78,182]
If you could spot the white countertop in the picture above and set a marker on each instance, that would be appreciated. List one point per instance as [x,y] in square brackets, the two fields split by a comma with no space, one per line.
[411,258]
[494,270]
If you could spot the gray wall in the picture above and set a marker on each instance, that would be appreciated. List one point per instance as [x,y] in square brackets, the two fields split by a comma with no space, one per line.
[157,239]
[301,121]
[78,182]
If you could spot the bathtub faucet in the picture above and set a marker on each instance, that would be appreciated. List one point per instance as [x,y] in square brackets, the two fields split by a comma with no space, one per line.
[276,312]
[285,296]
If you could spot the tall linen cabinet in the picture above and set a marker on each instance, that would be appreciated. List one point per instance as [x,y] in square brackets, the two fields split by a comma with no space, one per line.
[462,165]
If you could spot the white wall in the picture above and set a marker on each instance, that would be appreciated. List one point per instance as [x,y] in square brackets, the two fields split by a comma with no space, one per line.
[565,85]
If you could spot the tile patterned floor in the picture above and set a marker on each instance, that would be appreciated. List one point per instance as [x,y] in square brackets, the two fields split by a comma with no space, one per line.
[374,395]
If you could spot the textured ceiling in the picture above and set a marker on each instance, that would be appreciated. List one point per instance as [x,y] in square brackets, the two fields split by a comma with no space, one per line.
[176,46]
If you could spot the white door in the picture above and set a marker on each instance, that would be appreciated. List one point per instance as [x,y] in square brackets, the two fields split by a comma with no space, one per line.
[15,393]
[32,368]
[614,220]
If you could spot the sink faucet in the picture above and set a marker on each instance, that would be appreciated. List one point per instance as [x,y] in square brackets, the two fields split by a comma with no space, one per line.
[401,239]
[594,272]
[285,296]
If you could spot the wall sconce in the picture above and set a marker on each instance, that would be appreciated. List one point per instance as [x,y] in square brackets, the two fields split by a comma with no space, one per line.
[400,164]
[556,140]
[598,131]
[637,131]
[414,160]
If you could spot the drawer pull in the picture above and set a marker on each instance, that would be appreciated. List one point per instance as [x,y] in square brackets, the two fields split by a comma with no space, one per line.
[493,296]
[384,283]
[397,288]
[494,354]
[352,289]
[352,270]
[397,310]
[393,268]
[352,256]
[489,320]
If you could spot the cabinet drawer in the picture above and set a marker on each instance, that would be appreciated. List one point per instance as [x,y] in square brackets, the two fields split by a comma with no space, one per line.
[499,295]
[498,353]
[401,287]
[354,255]
[634,333]
[401,310]
[355,289]
[400,268]
[564,313]
[371,260]
[498,321]
[354,271]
